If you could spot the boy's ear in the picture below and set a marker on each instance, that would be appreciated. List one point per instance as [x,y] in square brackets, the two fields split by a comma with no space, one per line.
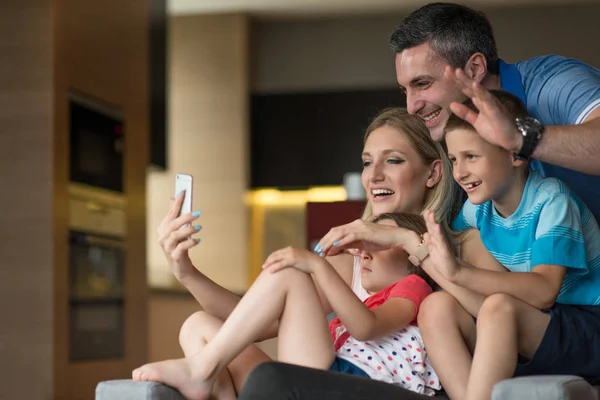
[435,173]
[516,162]
[476,67]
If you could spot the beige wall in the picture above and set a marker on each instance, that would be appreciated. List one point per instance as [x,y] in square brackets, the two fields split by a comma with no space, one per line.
[48,47]
[208,138]
[167,312]
[334,54]
[102,50]
[26,221]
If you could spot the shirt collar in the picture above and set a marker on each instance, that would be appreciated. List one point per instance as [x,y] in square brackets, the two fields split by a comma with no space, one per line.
[510,80]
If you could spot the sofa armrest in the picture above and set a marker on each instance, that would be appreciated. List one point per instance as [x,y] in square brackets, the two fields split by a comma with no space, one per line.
[547,387]
[127,389]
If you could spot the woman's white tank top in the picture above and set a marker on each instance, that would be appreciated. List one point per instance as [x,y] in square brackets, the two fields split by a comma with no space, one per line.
[356,280]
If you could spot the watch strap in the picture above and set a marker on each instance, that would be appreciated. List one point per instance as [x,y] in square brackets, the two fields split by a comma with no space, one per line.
[531,130]
[419,254]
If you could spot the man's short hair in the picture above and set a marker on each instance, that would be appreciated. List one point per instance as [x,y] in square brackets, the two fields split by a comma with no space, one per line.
[455,33]
[511,103]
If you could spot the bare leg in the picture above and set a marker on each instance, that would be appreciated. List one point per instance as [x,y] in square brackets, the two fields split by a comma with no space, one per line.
[199,329]
[506,327]
[289,296]
[195,332]
[448,331]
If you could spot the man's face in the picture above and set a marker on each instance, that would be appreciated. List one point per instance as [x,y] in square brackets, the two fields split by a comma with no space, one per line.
[420,74]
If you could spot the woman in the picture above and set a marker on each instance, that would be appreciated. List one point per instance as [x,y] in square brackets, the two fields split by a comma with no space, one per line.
[404,170]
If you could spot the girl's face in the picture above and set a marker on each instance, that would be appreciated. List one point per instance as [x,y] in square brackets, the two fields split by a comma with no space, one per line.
[380,269]
[394,176]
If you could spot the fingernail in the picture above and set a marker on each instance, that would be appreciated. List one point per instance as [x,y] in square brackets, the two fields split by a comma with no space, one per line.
[336,243]
[321,254]
[196,213]
[197,240]
[317,247]
[198,227]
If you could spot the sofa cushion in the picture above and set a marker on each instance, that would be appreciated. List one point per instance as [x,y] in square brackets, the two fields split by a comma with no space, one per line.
[547,387]
[127,389]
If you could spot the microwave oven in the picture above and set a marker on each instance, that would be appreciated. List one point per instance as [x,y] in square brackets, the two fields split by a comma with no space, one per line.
[97,143]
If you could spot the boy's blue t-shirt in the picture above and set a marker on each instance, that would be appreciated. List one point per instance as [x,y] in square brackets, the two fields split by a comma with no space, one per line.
[550,226]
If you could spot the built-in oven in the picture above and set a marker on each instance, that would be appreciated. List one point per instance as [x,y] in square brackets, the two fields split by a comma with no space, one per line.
[97,294]
[97,260]
[96,142]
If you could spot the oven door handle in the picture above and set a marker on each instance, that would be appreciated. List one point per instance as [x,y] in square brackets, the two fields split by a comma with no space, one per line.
[106,242]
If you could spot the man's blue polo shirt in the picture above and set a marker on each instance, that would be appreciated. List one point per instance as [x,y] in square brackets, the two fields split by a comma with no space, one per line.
[558,91]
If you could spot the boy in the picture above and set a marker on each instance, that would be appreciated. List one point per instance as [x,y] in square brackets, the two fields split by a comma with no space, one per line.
[544,319]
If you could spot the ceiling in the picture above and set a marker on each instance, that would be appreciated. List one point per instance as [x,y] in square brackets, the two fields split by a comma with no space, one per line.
[286,8]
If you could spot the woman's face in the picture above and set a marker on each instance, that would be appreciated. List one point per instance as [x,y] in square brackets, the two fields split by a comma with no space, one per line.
[394,176]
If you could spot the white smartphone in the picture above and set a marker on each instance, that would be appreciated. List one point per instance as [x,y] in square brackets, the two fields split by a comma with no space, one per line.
[184,182]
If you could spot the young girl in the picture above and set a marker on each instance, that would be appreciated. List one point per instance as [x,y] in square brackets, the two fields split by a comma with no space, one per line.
[377,338]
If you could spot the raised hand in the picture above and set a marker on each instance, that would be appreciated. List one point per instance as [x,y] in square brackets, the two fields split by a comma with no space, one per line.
[361,235]
[440,253]
[174,241]
[492,122]
[294,257]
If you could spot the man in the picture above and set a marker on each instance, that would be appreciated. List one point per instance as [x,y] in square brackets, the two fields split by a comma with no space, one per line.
[563,94]
[445,52]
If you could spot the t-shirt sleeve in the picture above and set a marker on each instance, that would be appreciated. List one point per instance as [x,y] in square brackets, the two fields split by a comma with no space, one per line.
[413,288]
[560,91]
[558,235]
[466,218]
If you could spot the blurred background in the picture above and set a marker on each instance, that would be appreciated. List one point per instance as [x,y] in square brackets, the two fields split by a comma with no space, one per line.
[264,102]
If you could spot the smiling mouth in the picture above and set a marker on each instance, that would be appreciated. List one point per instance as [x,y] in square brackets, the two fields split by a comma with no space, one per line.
[471,186]
[432,117]
[381,193]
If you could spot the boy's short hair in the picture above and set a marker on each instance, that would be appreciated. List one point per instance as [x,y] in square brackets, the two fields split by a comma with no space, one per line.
[509,101]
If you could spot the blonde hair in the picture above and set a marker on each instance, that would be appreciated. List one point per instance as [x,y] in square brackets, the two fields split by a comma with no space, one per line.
[443,199]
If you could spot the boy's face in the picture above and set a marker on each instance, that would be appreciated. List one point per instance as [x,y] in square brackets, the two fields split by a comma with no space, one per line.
[484,171]
[380,269]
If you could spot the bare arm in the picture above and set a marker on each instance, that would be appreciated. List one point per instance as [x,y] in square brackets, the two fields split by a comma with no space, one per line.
[176,240]
[362,323]
[538,288]
[212,297]
[573,146]
[366,235]
[343,264]
[473,252]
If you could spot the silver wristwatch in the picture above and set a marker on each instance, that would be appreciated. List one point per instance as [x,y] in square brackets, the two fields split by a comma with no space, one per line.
[532,131]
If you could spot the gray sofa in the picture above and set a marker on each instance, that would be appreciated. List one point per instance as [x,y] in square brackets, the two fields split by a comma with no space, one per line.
[559,387]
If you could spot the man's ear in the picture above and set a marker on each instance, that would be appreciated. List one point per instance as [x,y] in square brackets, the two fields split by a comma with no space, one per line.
[476,67]
[435,173]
